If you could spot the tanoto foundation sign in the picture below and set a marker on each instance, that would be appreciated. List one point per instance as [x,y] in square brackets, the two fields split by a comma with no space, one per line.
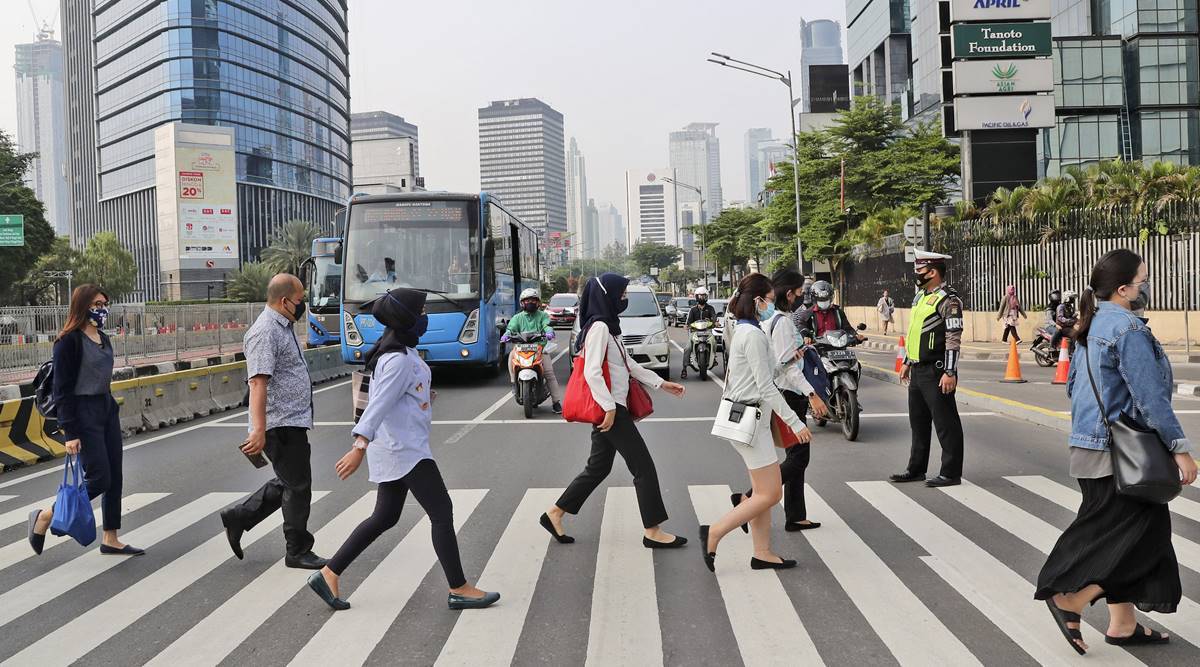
[999,40]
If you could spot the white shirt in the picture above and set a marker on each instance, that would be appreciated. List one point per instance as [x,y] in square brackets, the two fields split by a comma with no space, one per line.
[398,416]
[600,345]
[750,377]
[789,376]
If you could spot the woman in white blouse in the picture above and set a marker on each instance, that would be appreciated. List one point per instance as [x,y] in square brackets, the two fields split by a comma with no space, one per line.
[600,307]
[750,379]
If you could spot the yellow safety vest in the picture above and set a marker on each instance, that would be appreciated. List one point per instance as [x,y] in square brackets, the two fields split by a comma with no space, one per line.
[924,309]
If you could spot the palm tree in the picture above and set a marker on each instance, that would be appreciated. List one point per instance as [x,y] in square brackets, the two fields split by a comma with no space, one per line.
[290,247]
[1050,202]
[1183,187]
[249,283]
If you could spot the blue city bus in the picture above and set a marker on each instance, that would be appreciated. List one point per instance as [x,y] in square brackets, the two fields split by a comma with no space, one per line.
[324,282]
[466,251]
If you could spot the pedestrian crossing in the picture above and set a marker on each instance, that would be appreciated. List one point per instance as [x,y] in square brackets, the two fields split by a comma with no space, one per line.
[962,537]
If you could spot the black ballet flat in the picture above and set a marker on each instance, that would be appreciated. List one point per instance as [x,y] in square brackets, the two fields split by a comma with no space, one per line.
[735,499]
[316,581]
[710,557]
[35,540]
[123,551]
[673,544]
[786,564]
[796,526]
[562,539]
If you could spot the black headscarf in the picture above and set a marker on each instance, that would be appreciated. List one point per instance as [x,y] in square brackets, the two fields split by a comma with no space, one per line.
[399,310]
[601,302]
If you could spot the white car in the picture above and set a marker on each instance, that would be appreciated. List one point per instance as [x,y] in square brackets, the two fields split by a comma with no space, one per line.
[643,331]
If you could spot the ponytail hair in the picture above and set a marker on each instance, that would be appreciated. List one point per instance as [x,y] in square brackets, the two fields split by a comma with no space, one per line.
[1114,270]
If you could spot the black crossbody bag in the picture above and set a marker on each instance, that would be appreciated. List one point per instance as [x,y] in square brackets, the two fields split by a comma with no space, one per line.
[1143,467]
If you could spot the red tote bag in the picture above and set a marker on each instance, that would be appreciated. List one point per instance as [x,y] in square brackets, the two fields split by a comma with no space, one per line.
[580,406]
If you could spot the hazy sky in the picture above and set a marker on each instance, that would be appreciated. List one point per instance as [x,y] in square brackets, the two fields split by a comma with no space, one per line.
[623,73]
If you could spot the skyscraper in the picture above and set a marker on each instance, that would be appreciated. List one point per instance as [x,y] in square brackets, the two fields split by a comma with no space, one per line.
[386,152]
[651,206]
[755,178]
[696,159]
[577,198]
[42,125]
[611,227]
[820,44]
[522,160]
[590,242]
[877,42]
[275,82]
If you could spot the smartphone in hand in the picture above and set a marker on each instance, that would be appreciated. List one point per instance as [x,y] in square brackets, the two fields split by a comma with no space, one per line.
[257,460]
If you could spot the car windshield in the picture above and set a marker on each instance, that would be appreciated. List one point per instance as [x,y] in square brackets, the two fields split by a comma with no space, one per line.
[563,300]
[718,305]
[641,304]
[326,286]
[684,303]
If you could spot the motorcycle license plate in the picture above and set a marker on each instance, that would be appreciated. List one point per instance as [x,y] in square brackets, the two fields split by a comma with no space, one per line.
[527,348]
[840,355]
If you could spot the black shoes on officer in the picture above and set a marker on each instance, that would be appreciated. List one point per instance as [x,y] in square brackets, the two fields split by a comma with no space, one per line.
[305,561]
[938,481]
[943,481]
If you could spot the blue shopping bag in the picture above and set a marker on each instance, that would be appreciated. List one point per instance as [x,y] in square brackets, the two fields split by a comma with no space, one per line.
[72,509]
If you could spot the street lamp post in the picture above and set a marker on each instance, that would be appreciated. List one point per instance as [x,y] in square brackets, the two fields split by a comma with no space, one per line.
[786,79]
[696,222]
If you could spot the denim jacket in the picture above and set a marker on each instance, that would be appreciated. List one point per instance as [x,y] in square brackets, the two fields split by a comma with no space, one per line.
[1132,374]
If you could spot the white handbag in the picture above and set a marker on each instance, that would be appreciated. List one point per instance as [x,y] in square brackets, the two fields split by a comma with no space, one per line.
[736,422]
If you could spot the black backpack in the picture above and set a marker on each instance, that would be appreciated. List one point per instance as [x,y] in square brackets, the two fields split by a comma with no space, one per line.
[43,390]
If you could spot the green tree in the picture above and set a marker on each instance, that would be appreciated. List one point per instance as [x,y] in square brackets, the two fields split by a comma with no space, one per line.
[16,199]
[43,291]
[290,247]
[680,279]
[249,283]
[648,255]
[106,262]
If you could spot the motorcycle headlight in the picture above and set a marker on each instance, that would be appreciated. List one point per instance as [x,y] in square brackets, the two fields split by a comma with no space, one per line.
[353,338]
[659,338]
[837,338]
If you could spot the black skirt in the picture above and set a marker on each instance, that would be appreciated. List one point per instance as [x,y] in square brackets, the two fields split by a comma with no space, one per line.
[1120,544]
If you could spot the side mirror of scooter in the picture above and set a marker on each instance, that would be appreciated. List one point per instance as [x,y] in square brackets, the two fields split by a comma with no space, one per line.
[861,326]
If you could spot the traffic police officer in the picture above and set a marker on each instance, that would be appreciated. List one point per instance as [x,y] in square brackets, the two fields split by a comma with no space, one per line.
[931,372]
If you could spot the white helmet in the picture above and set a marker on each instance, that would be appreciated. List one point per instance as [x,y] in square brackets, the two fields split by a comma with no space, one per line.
[701,291]
[1069,295]
[530,293]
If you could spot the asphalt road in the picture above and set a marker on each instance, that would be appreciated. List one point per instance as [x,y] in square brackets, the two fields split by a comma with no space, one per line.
[896,575]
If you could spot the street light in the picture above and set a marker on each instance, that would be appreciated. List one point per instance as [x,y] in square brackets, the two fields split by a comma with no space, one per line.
[699,222]
[786,79]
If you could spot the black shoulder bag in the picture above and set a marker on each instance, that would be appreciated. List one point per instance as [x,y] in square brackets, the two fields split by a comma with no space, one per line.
[1143,467]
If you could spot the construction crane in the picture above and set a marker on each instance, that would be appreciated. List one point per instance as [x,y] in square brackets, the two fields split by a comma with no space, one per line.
[45,28]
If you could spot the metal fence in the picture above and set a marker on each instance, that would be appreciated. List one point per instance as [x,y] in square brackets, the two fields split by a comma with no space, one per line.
[140,333]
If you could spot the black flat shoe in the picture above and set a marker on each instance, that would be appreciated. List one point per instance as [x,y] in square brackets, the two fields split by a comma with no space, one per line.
[123,551]
[35,540]
[735,499]
[673,544]
[907,477]
[943,481]
[305,561]
[756,564]
[316,581]
[457,602]
[796,526]
[233,532]
[710,557]
[561,539]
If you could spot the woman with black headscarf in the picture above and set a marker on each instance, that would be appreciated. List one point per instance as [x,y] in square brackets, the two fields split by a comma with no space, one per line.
[600,308]
[393,433]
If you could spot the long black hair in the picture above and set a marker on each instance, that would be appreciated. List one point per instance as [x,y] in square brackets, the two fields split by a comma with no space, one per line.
[751,287]
[1114,270]
[785,282]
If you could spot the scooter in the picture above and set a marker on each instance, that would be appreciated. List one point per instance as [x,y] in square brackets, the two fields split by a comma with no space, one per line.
[530,387]
[1043,352]
[703,357]
[845,372]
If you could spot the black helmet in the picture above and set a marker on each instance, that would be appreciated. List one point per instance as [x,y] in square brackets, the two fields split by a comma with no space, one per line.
[1055,296]
[822,290]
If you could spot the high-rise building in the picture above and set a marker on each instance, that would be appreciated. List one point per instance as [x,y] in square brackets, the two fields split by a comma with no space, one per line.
[522,160]
[386,153]
[577,198]
[877,41]
[770,154]
[274,83]
[651,206]
[589,245]
[611,227]
[696,158]
[42,125]
[755,179]
[820,44]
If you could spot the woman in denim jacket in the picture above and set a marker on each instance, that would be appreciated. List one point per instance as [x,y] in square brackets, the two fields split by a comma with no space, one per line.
[1118,548]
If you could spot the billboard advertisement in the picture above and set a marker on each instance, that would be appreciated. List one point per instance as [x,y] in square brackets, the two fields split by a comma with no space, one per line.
[1014,75]
[999,10]
[1000,40]
[207,202]
[1004,112]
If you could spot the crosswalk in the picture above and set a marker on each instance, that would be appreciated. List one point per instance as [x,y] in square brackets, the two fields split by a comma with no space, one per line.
[962,537]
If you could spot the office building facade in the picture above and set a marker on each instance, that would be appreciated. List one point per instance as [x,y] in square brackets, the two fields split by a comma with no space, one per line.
[577,199]
[274,72]
[756,179]
[522,160]
[878,49]
[386,152]
[651,206]
[610,227]
[42,125]
[820,45]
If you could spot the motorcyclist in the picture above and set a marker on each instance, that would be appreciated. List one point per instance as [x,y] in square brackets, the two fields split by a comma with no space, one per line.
[824,315]
[702,311]
[529,318]
[1052,305]
[1065,318]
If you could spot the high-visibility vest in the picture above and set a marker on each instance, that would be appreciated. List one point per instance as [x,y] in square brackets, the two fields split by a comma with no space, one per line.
[927,327]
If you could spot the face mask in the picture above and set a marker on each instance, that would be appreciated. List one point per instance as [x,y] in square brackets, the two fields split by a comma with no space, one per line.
[622,305]
[420,326]
[701,300]
[98,316]
[824,305]
[530,307]
[298,310]
[766,314]
[922,279]
[1142,300]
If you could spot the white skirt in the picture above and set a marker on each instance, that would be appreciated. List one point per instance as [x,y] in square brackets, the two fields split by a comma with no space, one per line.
[760,453]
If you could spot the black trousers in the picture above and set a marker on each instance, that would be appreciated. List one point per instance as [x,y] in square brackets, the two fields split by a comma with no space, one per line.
[622,438]
[100,453]
[1010,329]
[793,467]
[929,408]
[425,482]
[291,489]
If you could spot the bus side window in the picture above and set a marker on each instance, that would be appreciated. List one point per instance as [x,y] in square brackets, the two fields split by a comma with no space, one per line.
[489,267]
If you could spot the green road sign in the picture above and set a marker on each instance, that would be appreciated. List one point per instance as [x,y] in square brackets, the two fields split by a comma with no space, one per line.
[12,230]
[1000,40]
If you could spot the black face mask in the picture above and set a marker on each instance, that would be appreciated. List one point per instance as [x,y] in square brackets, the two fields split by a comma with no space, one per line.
[622,305]
[922,279]
[702,300]
[530,307]
[298,309]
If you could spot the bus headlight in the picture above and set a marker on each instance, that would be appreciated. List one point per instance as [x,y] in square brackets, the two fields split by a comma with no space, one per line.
[470,330]
[353,338]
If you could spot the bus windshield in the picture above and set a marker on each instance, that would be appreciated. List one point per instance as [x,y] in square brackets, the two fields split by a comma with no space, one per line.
[428,245]
[326,286]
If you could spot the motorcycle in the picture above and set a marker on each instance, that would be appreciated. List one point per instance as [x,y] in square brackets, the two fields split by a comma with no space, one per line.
[528,354]
[703,357]
[845,372]
[1044,352]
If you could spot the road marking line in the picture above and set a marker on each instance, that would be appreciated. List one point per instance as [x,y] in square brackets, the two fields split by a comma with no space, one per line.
[481,417]
[20,550]
[218,634]
[490,637]
[624,628]
[84,632]
[383,594]
[4,498]
[720,382]
[21,514]
[913,634]
[764,620]
[560,422]
[983,580]
[1042,536]
[49,585]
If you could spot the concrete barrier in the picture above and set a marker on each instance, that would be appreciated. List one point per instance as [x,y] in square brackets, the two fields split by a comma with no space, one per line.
[196,395]
[227,385]
[125,392]
[25,436]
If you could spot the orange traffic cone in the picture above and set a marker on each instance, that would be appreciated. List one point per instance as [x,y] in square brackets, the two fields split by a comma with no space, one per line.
[1012,374]
[1063,370]
[900,355]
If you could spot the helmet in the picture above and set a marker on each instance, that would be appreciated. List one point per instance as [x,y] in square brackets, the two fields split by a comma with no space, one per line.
[1070,295]
[1055,295]
[530,293]
[701,291]
[822,294]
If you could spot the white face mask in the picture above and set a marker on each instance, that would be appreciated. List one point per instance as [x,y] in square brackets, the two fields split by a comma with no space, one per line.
[824,305]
